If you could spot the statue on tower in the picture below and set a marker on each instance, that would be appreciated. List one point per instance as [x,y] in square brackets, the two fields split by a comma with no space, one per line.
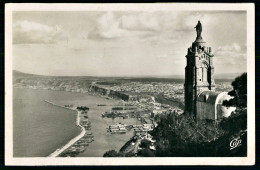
[198,29]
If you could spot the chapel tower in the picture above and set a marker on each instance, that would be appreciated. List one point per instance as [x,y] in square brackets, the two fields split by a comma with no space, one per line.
[199,72]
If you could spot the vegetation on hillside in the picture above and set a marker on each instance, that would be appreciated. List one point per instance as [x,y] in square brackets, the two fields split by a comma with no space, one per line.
[113,153]
[239,92]
[183,136]
[145,149]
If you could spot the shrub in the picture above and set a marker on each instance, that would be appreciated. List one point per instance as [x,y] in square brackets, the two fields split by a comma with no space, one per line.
[112,153]
[145,153]
[145,143]
[183,136]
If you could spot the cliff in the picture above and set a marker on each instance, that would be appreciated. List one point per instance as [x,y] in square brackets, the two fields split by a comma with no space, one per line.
[110,93]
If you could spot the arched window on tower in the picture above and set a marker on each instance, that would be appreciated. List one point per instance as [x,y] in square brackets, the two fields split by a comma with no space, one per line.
[200,73]
[204,68]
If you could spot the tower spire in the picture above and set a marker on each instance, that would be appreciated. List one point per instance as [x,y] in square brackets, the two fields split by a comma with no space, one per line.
[199,72]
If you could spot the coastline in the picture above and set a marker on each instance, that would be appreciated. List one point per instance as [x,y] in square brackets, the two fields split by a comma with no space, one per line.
[58,151]
[72,141]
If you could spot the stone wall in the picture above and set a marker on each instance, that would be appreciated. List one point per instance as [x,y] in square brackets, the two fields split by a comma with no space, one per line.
[205,110]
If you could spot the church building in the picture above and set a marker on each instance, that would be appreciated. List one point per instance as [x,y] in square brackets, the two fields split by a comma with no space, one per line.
[201,100]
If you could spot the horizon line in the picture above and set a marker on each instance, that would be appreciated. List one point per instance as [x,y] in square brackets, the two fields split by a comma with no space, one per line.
[120,76]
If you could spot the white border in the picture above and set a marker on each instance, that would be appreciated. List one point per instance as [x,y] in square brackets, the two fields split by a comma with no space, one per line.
[249,160]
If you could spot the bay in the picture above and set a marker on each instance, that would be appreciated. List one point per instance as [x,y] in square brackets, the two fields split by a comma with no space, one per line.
[38,127]
[41,128]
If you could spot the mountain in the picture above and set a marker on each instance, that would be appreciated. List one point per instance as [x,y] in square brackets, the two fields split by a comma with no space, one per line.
[21,74]
[227,75]
[18,74]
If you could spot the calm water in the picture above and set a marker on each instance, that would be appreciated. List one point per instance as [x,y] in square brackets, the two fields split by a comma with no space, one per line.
[104,141]
[40,128]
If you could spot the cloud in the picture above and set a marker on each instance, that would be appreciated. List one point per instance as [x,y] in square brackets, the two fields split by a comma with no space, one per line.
[234,47]
[107,27]
[140,22]
[149,27]
[154,42]
[233,50]
[29,32]
[231,54]
[136,26]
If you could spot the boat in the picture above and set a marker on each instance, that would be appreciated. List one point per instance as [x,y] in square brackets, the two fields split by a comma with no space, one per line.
[117,128]
[118,132]
[101,104]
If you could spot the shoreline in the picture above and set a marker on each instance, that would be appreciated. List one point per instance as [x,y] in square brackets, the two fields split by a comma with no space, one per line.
[58,151]
[88,92]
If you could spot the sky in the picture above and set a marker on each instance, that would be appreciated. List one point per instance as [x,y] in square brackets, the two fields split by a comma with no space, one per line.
[124,43]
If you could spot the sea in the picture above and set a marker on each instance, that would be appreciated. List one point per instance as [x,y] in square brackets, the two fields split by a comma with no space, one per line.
[40,128]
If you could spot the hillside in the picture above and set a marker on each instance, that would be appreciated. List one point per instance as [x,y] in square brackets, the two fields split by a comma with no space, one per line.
[21,74]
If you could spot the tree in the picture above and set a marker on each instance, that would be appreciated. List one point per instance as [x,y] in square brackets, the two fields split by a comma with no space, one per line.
[112,153]
[145,143]
[239,92]
[145,153]
[235,123]
[129,154]
[181,135]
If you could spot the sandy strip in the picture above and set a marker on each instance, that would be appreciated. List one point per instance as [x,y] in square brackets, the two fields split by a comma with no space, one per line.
[72,141]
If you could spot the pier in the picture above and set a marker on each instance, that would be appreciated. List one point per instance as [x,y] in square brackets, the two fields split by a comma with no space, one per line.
[54,104]
[72,141]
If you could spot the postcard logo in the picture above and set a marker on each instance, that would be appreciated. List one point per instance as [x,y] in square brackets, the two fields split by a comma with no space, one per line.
[235,143]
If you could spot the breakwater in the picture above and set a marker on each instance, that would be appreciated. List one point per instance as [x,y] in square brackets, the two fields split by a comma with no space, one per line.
[54,104]
[72,141]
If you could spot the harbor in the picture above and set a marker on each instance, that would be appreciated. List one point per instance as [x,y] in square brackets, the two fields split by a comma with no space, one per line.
[120,128]
[117,128]
[62,115]
[80,142]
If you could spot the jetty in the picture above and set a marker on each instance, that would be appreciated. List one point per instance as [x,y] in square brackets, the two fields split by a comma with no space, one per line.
[72,141]
[54,104]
